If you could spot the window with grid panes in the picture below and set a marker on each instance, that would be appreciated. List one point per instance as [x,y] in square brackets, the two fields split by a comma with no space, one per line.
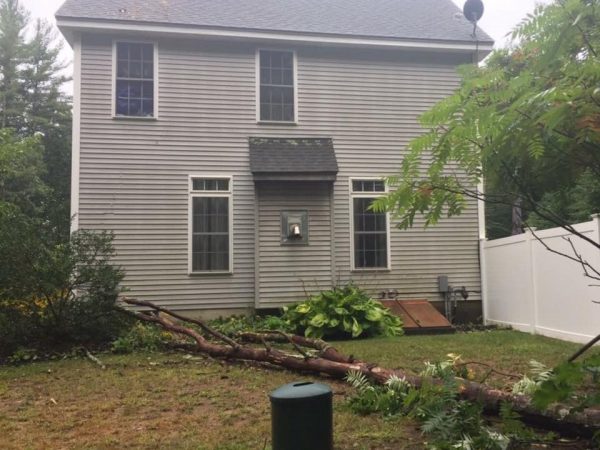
[277,86]
[370,233]
[134,90]
[211,237]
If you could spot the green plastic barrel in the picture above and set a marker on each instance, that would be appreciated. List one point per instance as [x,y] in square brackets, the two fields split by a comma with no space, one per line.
[302,417]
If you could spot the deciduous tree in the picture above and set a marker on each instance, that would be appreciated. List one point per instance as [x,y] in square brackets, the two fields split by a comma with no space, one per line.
[528,122]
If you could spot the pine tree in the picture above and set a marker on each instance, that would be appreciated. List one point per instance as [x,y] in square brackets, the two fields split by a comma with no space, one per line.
[48,112]
[13,23]
[41,81]
[32,103]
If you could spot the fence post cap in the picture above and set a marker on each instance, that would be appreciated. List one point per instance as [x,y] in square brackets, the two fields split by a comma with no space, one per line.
[595,216]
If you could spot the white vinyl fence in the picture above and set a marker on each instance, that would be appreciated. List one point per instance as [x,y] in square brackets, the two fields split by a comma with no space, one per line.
[532,289]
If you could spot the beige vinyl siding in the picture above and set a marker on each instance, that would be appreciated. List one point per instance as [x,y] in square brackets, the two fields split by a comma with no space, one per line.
[287,272]
[134,173]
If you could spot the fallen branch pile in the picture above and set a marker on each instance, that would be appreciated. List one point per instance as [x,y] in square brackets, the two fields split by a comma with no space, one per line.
[318,357]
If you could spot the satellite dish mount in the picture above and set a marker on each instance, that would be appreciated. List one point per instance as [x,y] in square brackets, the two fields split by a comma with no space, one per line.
[473,12]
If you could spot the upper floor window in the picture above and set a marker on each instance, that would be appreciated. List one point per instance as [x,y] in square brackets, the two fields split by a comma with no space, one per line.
[277,86]
[135,80]
[370,241]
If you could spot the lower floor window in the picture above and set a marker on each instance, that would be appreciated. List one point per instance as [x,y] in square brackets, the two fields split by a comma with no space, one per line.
[210,238]
[370,235]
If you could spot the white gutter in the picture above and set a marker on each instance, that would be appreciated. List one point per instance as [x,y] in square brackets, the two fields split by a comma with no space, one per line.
[92,25]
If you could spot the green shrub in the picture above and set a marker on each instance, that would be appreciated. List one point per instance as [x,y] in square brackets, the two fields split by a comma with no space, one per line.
[234,325]
[447,421]
[142,337]
[22,355]
[346,312]
[54,294]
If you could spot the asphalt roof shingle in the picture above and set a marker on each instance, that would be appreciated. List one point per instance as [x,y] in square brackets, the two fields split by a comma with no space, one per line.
[438,20]
[299,155]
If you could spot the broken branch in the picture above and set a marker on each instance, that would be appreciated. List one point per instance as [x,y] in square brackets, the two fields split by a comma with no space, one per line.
[583,422]
[200,323]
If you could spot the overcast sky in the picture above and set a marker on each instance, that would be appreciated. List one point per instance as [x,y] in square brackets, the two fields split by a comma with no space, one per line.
[499,18]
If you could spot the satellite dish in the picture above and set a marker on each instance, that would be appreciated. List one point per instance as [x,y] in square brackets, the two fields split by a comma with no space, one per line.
[473,10]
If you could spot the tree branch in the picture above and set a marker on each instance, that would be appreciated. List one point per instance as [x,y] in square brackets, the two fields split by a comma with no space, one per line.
[577,258]
[585,348]
[201,324]
[490,398]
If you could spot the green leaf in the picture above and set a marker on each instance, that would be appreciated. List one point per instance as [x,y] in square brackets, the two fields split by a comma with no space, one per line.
[374,315]
[356,328]
[303,308]
[318,321]
[347,325]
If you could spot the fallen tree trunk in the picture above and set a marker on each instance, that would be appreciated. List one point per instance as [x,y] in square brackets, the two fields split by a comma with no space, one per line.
[324,350]
[331,362]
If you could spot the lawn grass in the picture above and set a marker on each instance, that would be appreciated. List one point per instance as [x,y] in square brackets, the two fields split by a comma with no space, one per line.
[174,401]
[505,350]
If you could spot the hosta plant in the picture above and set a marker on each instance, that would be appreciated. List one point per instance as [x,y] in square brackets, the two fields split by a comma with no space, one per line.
[342,312]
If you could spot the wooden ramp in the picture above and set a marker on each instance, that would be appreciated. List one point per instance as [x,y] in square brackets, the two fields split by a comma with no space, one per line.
[419,316]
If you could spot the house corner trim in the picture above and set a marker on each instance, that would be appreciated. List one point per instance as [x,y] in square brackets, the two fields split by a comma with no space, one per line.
[76,137]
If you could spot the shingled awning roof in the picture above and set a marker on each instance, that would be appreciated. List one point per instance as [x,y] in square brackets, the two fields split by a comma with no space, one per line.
[422,20]
[299,159]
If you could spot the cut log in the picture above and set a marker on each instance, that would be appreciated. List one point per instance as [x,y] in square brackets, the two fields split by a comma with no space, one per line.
[331,362]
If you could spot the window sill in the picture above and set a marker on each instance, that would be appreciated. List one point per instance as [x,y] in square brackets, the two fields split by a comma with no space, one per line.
[276,122]
[381,270]
[204,274]
[135,118]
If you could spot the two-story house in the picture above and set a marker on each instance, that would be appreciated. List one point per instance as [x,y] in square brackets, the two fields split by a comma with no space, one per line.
[234,146]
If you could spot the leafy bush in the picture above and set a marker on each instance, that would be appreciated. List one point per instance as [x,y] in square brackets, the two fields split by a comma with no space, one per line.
[55,294]
[239,324]
[142,337]
[447,421]
[346,312]
[528,385]
[576,384]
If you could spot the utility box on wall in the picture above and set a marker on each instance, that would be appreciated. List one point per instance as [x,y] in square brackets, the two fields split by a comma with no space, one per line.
[294,228]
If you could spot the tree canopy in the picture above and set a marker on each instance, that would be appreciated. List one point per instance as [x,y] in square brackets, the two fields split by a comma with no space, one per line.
[528,122]
[35,121]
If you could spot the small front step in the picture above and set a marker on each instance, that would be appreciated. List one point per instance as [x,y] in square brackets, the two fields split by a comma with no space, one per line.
[419,316]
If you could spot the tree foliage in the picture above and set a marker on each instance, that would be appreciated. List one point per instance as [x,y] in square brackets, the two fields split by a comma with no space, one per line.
[55,293]
[33,105]
[528,122]
[13,23]
[55,289]
[21,173]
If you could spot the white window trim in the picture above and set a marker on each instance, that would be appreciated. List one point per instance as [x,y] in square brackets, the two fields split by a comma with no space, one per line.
[113,110]
[76,134]
[194,194]
[295,70]
[352,196]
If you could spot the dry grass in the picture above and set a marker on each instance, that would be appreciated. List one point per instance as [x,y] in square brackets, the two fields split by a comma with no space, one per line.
[160,401]
[173,401]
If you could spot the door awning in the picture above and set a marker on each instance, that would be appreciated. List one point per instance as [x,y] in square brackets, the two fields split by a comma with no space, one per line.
[297,159]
